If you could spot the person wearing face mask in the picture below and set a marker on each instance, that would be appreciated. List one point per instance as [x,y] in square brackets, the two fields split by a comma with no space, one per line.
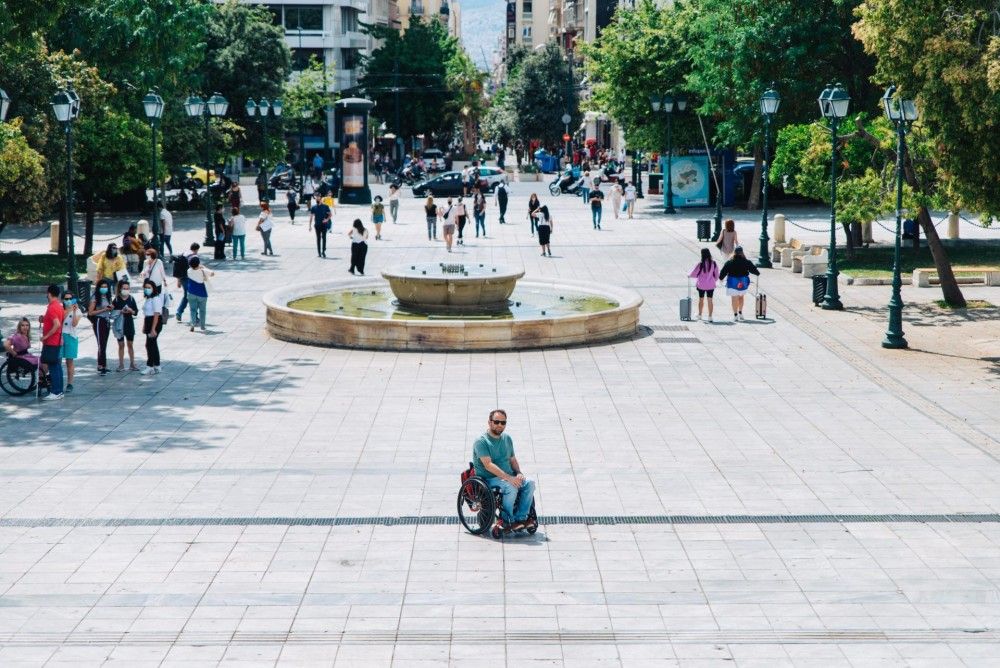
[197,289]
[99,312]
[110,264]
[123,327]
[71,338]
[156,272]
[151,326]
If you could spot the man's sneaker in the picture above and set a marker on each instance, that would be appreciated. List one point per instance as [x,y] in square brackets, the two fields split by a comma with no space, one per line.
[178,317]
[149,371]
[518,526]
[52,397]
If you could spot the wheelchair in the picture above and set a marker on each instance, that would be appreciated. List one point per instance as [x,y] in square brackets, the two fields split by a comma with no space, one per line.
[18,377]
[479,507]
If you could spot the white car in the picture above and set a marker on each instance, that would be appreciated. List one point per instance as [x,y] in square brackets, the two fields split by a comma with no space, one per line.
[433,159]
[492,176]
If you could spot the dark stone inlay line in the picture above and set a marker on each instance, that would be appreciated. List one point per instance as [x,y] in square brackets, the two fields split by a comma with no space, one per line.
[431,520]
[676,339]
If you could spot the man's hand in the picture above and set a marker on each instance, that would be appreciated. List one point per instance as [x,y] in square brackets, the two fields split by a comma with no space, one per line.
[516,480]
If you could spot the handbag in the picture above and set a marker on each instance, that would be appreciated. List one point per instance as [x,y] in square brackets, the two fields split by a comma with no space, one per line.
[738,282]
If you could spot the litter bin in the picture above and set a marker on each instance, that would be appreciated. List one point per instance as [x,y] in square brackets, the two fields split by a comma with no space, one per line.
[856,236]
[655,179]
[704,230]
[819,288]
[83,289]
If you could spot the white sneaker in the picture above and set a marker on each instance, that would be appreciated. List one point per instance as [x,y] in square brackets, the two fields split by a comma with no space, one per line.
[52,397]
[710,319]
[741,317]
[736,317]
[698,318]
[149,371]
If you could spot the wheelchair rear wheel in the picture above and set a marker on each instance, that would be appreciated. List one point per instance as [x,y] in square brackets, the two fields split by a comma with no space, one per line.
[17,379]
[532,525]
[476,509]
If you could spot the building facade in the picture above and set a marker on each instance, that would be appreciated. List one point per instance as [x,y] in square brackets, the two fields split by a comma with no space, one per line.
[449,12]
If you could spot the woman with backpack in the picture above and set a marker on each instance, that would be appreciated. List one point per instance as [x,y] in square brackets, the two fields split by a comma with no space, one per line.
[707,274]
[736,272]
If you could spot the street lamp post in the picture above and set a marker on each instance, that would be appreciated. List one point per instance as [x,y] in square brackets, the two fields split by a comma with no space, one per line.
[66,107]
[195,106]
[668,101]
[304,115]
[769,103]
[153,106]
[265,107]
[833,104]
[566,118]
[902,113]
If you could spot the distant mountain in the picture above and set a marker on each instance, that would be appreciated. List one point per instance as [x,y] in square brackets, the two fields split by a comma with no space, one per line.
[482,24]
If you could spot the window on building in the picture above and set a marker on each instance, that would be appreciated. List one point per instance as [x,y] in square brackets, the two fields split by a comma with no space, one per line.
[526,8]
[301,57]
[526,32]
[303,16]
[348,20]
[275,12]
[348,59]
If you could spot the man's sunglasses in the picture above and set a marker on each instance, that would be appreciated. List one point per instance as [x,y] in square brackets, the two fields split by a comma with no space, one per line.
[499,422]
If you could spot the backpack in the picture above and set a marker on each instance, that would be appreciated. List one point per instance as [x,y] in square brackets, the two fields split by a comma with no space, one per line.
[180,266]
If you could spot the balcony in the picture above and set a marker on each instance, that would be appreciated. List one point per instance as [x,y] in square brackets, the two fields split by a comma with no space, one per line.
[417,9]
[572,20]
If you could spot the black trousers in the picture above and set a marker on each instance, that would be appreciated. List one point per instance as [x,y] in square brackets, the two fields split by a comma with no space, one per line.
[102,331]
[461,225]
[320,238]
[152,343]
[359,251]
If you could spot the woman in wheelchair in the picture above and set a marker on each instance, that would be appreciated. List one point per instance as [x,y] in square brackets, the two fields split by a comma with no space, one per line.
[495,494]
[18,344]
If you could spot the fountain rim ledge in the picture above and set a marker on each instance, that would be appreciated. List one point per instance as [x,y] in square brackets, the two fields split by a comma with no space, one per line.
[420,334]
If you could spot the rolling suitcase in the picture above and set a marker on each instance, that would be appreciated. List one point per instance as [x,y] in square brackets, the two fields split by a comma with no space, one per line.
[760,309]
[686,304]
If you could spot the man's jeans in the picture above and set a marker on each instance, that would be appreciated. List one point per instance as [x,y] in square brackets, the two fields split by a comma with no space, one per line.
[240,243]
[527,493]
[480,223]
[52,357]
[184,300]
[596,215]
[167,244]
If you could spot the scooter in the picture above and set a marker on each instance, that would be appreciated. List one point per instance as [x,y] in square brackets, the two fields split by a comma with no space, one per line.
[411,175]
[565,183]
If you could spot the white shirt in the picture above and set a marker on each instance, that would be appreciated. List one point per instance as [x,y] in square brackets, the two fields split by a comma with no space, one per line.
[239,224]
[167,219]
[155,273]
[394,195]
[266,223]
[153,305]
[357,237]
[629,193]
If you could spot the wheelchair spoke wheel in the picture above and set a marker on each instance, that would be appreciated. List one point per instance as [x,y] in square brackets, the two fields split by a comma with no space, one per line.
[17,379]
[476,509]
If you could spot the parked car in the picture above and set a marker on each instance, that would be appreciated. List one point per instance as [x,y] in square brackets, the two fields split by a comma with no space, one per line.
[448,184]
[433,160]
[489,177]
[198,174]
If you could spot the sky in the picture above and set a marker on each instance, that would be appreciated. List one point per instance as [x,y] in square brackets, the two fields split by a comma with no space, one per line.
[482,23]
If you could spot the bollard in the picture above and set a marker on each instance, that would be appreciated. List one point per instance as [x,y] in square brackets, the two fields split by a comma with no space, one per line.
[953,226]
[54,237]
[779,228]
[866,233]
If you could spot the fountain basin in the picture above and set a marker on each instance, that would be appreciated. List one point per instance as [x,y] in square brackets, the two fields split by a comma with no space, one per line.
[470,287]
[353,313]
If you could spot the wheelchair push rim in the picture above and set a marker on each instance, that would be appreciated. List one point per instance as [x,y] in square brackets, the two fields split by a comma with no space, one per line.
[476,509]
[16,380]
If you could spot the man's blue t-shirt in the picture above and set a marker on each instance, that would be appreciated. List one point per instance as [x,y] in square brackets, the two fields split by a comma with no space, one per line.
[318,162]
[320,213]
[499,450]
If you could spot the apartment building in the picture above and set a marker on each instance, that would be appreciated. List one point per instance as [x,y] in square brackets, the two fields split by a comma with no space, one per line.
[449,12]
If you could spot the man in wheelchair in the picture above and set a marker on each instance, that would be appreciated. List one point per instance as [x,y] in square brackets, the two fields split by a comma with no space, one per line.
[494,461]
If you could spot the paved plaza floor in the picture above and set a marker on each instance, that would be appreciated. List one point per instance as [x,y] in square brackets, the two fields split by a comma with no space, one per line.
[764,493]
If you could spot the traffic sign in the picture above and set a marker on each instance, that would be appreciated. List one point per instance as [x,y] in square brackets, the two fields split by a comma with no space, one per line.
[566,137]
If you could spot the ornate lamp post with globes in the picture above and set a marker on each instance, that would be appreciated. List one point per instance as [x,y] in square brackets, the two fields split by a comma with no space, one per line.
[769,103]
[216,106]
[668,101]
[152,104]
[833,104]
[902,113]
[66,107]
[265,107]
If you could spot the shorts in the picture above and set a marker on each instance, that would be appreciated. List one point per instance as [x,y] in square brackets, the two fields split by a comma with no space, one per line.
[378,219]
[449,228]
[705,293]
[70,347]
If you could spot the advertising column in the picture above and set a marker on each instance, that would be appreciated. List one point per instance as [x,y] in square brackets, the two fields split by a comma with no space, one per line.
[352,127]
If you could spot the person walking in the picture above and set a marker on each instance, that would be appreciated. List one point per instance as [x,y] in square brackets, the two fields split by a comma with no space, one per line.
[52,323]
[585,187]
[479,211]
[501,195]
[431,214]
[166,226]
[197,286]
[219,224]
[151,325]
[533,205]
[123,326]
[238,224]
[394,202]
[616,198]
[235,196]
[308,189]
[99,312]
[265,223]
[544,229]
[461,216]
[630,195]
[71,338]
[706,273]
[317,165]
[359,246]
[727,241]
[320,220]
[596,206]
[736,272]
[181,264]
[261,182]
[292,203]
[378,216]
[447,215]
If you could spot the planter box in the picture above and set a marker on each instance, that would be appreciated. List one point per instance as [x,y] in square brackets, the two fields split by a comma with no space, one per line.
[528,178]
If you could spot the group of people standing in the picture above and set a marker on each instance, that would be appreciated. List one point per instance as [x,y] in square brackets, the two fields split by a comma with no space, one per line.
[455,215]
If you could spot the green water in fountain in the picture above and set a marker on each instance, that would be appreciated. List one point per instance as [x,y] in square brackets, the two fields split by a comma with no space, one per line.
[525,303]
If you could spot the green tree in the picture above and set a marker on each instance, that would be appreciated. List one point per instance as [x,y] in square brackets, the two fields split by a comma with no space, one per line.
[467,106]
[22,178]
[407,78]
[540,91]
[738,47]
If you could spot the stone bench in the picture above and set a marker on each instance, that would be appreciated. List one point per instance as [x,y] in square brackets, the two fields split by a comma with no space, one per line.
[981,275]
[786,254]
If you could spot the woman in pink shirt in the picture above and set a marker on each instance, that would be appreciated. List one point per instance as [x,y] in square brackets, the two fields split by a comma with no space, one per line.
[707,273]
